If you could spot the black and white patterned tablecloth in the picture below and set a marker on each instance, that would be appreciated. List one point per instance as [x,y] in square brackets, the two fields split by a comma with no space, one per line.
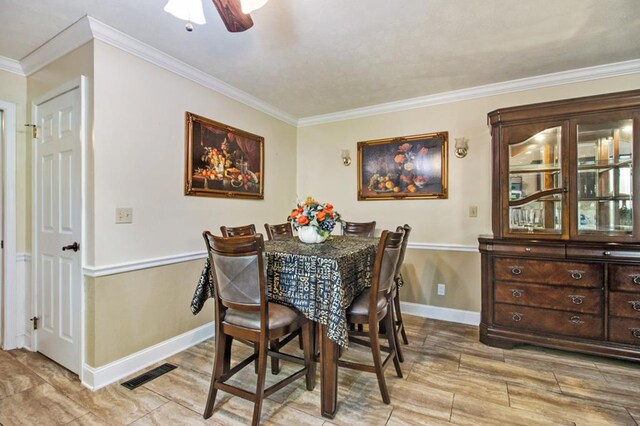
[320,280]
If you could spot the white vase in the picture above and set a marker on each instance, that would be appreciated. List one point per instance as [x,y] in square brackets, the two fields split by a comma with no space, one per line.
[309,235]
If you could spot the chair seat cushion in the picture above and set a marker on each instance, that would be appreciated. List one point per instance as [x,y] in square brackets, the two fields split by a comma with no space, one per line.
[279,316]
[360,305]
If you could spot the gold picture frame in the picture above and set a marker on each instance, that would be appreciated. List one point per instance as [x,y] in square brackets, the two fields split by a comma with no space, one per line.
[408,167]
[222,161]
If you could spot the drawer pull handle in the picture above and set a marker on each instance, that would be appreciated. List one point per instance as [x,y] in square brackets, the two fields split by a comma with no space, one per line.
[516,292]
[517,316]
[635,332]
[635,305]
[576,275]
[527,249]
[606,253]
[576,320]
[516,270]
[635,278]
[576,300]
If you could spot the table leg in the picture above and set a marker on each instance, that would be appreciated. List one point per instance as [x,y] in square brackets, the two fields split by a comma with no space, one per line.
[329,374]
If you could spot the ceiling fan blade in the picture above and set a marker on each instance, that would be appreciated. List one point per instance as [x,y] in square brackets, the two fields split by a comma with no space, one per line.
[232,15]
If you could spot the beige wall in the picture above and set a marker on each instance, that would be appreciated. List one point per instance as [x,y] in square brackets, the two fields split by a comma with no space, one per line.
[13,89]
[130,312]
[322,175]
[139,163]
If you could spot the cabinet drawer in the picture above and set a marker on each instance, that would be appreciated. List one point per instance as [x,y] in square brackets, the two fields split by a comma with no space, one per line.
[624,330]
[555,273]
[624,305]
[554,251]
[574,299]
[603,253]
[549,321]
[624,277]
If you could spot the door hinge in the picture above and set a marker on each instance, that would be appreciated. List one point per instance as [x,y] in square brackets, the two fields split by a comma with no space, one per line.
[35,322]
[2,244]
[34,130]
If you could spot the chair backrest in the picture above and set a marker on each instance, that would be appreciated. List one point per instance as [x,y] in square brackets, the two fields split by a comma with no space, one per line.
[384,267]
[238,270]
[238,231]
[359,229]
[405,240]
[279,231]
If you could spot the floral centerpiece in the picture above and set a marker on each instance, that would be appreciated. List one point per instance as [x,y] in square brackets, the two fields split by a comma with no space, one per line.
[314,221]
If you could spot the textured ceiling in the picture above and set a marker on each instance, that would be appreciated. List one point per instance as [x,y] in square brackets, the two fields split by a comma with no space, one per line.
[313,57]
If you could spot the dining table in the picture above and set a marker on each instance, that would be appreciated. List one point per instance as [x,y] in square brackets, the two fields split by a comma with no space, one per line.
[321,281]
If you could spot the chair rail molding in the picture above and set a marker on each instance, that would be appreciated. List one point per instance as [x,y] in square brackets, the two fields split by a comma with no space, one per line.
[101,271]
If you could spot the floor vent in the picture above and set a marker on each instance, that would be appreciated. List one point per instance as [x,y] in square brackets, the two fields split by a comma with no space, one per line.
[148,376]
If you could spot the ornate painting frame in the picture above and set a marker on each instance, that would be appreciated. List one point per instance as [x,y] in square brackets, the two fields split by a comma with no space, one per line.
[408,167]
[222,161]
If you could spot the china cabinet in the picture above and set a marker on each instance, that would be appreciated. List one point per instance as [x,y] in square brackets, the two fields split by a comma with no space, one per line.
[562,268]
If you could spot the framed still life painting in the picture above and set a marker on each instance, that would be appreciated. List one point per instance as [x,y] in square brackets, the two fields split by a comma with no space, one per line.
[403,168]
[222,161]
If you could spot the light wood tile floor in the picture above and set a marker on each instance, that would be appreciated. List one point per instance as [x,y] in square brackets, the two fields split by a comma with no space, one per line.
[449,378]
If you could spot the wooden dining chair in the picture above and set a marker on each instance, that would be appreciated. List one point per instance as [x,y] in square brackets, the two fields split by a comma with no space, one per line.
[398,282]
[279,231]
[242,311]
[359,229]
[238,231]
[374,305]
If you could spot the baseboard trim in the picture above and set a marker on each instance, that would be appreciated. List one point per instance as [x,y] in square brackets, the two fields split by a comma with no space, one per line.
[440,313]
[95,378]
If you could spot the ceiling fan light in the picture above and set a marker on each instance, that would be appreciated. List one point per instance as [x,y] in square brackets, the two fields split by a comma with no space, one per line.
[249,6]
[187,10]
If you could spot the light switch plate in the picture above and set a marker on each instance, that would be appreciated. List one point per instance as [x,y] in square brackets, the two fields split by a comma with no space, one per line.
[473,211]
[124,215]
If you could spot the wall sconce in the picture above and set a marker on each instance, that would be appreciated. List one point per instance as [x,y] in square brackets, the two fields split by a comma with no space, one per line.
[346,157]
[461,147]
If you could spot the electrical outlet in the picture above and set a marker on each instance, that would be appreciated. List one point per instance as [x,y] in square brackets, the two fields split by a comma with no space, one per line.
[442,288]
[124,215]
[473,211]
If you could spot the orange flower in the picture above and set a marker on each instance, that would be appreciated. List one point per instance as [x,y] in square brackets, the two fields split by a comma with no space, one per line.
[404,147]
[303,220]
[294,213]
[320,215]
[399,158]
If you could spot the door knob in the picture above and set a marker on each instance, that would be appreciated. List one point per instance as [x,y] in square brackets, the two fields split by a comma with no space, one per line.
[73,247]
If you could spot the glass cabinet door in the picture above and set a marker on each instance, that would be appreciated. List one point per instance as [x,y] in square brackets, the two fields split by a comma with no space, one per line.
[535,181]
[605,177]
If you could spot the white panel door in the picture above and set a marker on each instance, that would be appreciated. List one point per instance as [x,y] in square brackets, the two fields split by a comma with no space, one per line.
[58,216]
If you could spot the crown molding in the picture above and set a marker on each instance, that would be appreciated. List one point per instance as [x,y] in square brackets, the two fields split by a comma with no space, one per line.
[88,28]
[122,41]
[538,82]
[11,65]
[67,40]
